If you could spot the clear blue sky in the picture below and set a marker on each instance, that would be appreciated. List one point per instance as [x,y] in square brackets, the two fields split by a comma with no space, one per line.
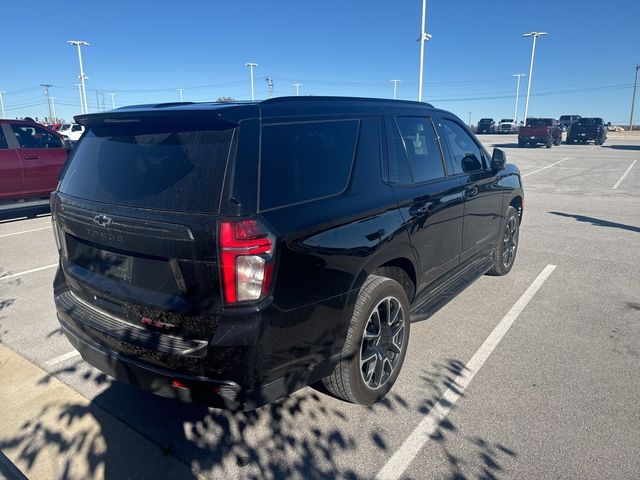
[143,51]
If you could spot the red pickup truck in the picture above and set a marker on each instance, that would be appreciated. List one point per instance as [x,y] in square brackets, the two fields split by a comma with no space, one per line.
[31,157]
[540,130]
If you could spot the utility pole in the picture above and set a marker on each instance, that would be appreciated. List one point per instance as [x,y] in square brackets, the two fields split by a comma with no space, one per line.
[97,101]
[535,35]
[270,84]
[2,104]
[251,67]
[469,119]
[181,94]
[633,99]
[395,88]
[515,115]
[113,100]
[46,92]
[297,85]
[83,77]
[424,37]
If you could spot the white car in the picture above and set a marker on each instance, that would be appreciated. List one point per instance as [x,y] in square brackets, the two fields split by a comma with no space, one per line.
[71,131]
[507,125]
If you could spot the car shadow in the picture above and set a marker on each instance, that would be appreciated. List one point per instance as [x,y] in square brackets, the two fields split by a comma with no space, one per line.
[622,147]
[124,431]
[24,213]
[505,145]
[598,222]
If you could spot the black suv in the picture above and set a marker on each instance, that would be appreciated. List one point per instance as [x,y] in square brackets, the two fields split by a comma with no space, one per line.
[230,254]
[587,129]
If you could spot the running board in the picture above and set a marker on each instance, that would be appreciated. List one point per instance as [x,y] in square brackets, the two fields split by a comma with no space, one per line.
[433,300]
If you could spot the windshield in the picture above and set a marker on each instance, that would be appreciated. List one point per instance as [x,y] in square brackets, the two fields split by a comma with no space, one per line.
[507,120]
[149,168]
[485,120]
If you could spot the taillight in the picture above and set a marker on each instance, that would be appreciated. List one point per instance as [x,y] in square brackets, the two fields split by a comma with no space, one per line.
[246,259]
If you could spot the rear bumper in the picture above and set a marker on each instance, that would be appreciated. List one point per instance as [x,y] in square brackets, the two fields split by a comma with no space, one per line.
[165,383]
[534,139]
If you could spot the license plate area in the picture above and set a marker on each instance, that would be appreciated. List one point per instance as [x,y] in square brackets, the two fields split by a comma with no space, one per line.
[101,262]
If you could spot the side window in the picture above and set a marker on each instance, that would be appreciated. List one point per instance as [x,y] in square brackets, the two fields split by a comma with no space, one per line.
[422,148]
[399,171]
[305,161]
[29,136]
[465,153]
[76,128]
[3,140]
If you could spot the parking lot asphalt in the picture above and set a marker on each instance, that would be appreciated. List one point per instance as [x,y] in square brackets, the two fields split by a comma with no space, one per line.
[532,375]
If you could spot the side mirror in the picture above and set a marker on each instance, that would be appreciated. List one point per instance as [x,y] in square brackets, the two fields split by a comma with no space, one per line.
[498,159]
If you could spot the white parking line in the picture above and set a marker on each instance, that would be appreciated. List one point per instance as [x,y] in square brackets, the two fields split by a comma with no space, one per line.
[24,231]
[544,168]
[624,175]
[400,461]
[19,274]
[62,358]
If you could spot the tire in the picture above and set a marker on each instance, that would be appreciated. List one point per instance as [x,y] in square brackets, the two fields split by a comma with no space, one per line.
[520,143]
[501,266]
[557,141]
[549,143]
[358,381]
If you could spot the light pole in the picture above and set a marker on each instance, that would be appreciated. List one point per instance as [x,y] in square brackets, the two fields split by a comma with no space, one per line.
[2,104]
[469,119]
[535,35]
[424,37]
[251,67]
[53,110]
[46,92]
[515,115]
[297,85]
[181,90]
[395,87]
[633,99]
[79,85]
[83,77]
[113,100]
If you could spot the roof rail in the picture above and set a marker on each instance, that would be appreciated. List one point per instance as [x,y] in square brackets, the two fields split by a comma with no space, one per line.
[308,98]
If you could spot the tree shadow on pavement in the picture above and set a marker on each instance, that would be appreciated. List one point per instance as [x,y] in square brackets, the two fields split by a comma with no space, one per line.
[598,222]
[125,432]
[5,301]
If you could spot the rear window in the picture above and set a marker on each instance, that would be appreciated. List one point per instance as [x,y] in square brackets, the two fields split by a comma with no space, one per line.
[155,167]
[590,121]
[539,122]
[301,162]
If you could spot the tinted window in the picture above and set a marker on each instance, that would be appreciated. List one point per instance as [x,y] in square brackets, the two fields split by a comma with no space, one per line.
[422,148]
[76,128]
[590,121]
[539,122]
[161,168]
[305,161]
[465,152]
[3,140]
[29,136]
[398,163]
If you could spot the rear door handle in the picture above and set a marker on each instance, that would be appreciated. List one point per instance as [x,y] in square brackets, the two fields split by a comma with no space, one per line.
[419,209]
[32,157]
[471,192]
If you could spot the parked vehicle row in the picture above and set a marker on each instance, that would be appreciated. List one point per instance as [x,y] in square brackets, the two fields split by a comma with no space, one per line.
[231,254]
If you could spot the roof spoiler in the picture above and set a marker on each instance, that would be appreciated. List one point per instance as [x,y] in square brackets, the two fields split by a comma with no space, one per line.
[116,117]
